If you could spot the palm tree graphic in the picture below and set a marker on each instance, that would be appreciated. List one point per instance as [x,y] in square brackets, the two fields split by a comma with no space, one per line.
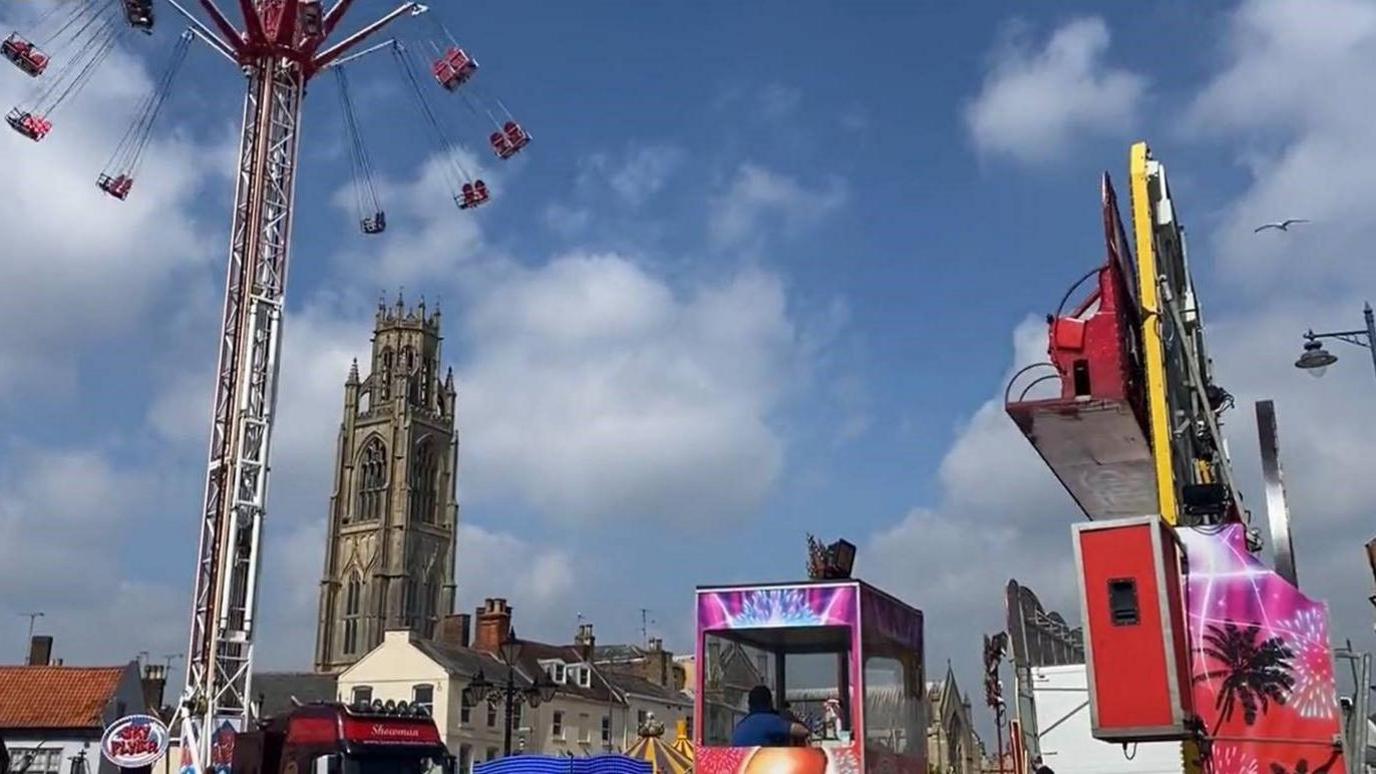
[1302,767]
[1255,671]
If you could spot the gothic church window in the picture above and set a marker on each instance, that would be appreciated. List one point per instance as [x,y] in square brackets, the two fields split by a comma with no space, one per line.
[386,374]
[372,480]
[352,607]
[424,468]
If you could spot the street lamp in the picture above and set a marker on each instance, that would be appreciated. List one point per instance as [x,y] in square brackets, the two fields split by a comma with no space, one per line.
[1316,359]
[480,688]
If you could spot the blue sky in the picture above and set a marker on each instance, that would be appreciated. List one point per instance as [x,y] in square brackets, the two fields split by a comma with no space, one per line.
[764,271]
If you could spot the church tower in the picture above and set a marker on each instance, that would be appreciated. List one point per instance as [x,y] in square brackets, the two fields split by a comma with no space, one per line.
[389,553]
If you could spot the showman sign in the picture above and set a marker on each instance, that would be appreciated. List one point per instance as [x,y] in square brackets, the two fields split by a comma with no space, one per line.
[134,741]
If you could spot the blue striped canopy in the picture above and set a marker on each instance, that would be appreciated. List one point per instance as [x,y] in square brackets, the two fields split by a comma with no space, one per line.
[562,764]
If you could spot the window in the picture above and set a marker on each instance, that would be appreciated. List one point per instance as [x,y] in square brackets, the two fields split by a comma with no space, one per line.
[372,480]
[806,668]
[492,753]
[556,671]
[386,373]
[584,729]
[556,725]
[640,718]
[353,593]
[424,695]
[465,714]
[606,729]
[491,715]
[361,694]
[408,601]
[424,467]
[585,676]
[894,700]
[465,759]
[519,721]
[39,760]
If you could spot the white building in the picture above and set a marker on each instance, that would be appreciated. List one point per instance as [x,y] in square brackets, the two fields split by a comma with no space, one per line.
[52,717]
[593,710]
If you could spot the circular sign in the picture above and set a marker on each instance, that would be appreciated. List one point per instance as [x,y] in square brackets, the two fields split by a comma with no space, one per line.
[134,740]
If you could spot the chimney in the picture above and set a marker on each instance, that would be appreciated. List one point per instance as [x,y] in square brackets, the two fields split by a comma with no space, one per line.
[40,650]
[662,674]
[154,682]
[493,626]
[454,629]
[586,642]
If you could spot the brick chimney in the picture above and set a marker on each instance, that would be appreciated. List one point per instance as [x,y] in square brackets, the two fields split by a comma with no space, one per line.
[454,630]
[493,626]
[586,642]
[40,650]
[660,664]
[154,683]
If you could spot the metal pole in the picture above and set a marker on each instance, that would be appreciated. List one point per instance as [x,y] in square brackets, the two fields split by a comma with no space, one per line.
[1370,331]
[510,704]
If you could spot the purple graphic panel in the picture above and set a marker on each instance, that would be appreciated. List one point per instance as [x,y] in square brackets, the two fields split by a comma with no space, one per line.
[776,607]
[1260,661]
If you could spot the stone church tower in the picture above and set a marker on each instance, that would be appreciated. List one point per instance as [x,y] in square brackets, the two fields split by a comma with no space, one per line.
[389,554]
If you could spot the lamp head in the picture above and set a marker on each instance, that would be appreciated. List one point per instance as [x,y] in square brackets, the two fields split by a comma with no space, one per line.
[1315,359]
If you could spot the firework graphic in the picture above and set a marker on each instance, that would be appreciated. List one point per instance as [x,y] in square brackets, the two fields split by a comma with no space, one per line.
[777,607]
[1231,759]
[1306,633]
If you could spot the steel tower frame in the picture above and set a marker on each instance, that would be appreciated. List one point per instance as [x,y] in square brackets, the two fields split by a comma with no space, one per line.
[279,50]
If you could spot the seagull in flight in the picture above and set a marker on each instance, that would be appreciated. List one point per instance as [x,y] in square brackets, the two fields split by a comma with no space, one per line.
[1283,225]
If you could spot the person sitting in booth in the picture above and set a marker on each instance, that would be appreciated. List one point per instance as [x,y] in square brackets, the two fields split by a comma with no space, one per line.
[763,726]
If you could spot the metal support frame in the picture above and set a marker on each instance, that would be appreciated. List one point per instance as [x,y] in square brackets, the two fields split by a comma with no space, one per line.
[1277,510]
[222,636]
[1355,729]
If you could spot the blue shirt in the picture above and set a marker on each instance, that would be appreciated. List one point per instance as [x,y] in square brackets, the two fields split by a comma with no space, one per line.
[762,729]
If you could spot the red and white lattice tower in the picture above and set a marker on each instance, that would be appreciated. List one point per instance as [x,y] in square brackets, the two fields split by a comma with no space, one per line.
[280,48]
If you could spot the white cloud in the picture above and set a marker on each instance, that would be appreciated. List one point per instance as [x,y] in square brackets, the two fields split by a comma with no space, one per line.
[1036,102]
[594,390]
[758,197]
[84,264]
[634,175]
[1284,106]
[540,586]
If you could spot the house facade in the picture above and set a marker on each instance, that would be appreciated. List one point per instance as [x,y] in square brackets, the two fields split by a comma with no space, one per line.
[592,710]
[52,717]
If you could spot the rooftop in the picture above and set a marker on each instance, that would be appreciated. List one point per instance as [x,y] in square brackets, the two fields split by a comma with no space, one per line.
[277,689]
[57,696]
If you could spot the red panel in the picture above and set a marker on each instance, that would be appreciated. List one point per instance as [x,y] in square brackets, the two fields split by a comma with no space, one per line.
[391,730]
[1135,681]
[313,730]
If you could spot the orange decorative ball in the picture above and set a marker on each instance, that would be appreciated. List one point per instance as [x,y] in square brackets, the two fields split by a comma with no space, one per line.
[786,760]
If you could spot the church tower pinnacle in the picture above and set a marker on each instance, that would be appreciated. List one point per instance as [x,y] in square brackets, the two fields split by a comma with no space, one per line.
[389,553]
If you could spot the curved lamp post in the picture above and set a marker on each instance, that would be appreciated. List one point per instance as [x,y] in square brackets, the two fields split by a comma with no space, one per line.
[1316,359]
[496,694]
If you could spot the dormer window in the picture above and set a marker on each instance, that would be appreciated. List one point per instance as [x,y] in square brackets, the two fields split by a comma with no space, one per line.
[556,671]
[585,676]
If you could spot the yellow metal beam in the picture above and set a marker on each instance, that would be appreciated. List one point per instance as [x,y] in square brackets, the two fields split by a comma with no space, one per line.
[1144,228]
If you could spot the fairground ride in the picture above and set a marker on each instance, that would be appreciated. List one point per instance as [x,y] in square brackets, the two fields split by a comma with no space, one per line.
[281,47]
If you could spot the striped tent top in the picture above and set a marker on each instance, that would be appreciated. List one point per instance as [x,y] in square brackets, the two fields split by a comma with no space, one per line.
[663,758]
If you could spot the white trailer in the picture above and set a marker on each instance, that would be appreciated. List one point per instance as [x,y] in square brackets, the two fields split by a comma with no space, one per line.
[1060,697]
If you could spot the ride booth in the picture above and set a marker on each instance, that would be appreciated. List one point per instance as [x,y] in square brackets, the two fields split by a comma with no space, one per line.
[840,656]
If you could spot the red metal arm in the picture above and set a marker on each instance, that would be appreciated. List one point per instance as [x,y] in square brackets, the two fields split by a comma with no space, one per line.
[335,15]
[232,35]
[253,24]
[286,28]
[334,52]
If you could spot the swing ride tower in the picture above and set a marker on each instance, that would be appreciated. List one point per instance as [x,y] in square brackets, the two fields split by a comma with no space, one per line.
[280,47]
